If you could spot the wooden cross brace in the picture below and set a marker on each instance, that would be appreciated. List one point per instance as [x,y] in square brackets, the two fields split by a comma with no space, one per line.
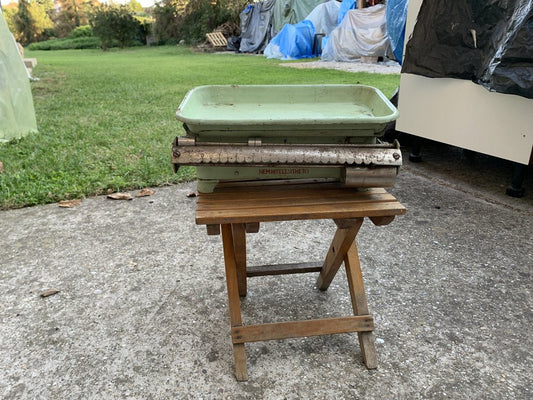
[342,249]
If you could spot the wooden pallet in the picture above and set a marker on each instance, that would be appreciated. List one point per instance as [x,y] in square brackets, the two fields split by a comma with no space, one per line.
[217,39]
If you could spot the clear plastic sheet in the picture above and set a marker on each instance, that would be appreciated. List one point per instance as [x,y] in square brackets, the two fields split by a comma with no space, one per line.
[17,115]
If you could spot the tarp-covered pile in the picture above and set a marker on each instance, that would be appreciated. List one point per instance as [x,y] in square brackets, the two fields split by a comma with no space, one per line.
[292,42]
[291,12]
[298,40]
[362,33]
[256,26]
[325,16]
[17,115]
[348,34]
[488,42]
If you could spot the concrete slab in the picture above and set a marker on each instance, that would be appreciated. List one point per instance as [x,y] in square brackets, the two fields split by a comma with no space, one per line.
[142,308]
[30,62]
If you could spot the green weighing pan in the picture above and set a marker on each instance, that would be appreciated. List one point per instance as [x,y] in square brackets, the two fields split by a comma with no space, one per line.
[234,111]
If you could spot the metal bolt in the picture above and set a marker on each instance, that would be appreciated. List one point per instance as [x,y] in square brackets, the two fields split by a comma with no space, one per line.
[396,156]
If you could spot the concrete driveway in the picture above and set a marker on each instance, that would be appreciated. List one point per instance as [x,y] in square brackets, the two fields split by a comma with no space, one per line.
[141,311]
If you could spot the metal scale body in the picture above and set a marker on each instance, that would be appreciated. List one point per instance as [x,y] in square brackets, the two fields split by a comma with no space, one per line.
[295,132]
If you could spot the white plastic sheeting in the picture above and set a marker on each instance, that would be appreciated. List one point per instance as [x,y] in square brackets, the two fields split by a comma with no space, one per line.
[324,16]
[362,33]
[17,115]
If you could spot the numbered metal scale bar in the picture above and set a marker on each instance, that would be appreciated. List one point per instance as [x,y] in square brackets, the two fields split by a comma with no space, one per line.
[355,165]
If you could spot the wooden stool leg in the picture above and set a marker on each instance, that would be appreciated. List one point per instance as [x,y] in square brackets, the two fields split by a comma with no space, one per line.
[239,245]
[359,304]
[344,236]
[234,301]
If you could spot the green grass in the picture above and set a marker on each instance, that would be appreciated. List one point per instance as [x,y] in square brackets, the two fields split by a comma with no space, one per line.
[106,119]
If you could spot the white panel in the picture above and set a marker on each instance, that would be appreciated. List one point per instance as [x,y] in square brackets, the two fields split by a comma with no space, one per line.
[464,114]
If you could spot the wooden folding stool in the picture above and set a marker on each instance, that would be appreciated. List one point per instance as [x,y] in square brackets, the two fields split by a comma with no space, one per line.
[240,209]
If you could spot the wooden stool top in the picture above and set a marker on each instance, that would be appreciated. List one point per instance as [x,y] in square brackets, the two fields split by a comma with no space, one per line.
[261,202]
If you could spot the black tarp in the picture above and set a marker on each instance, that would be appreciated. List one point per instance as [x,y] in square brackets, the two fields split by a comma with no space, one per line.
[487,41]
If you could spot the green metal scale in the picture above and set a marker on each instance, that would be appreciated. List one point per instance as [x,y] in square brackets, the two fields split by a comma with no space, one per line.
[291,132]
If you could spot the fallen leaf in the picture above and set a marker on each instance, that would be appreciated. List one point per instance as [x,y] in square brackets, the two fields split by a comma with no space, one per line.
[49,292]
[145,192]
[192,194]
[69,203]
[1,167]
[120,196]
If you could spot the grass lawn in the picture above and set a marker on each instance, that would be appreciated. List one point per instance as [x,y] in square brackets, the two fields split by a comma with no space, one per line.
[106,119]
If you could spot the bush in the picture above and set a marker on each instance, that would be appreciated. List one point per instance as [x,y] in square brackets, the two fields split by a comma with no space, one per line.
[167,22]
[81,31]
[64,44]
[145,29]
[114,23]
[200,18]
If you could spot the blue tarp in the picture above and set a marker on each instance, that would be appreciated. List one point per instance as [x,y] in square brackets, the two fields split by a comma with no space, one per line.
[292,42]
[396,14]
[346,5]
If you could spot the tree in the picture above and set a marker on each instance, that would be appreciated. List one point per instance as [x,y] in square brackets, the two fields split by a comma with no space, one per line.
[48,6]
[23,23]
[39,12]
[10,14]
[168,16]
[30,22]
[73,13]
[135,7]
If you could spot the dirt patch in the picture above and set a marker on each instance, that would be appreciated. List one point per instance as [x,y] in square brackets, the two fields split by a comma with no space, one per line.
[389,67]
[384,67]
